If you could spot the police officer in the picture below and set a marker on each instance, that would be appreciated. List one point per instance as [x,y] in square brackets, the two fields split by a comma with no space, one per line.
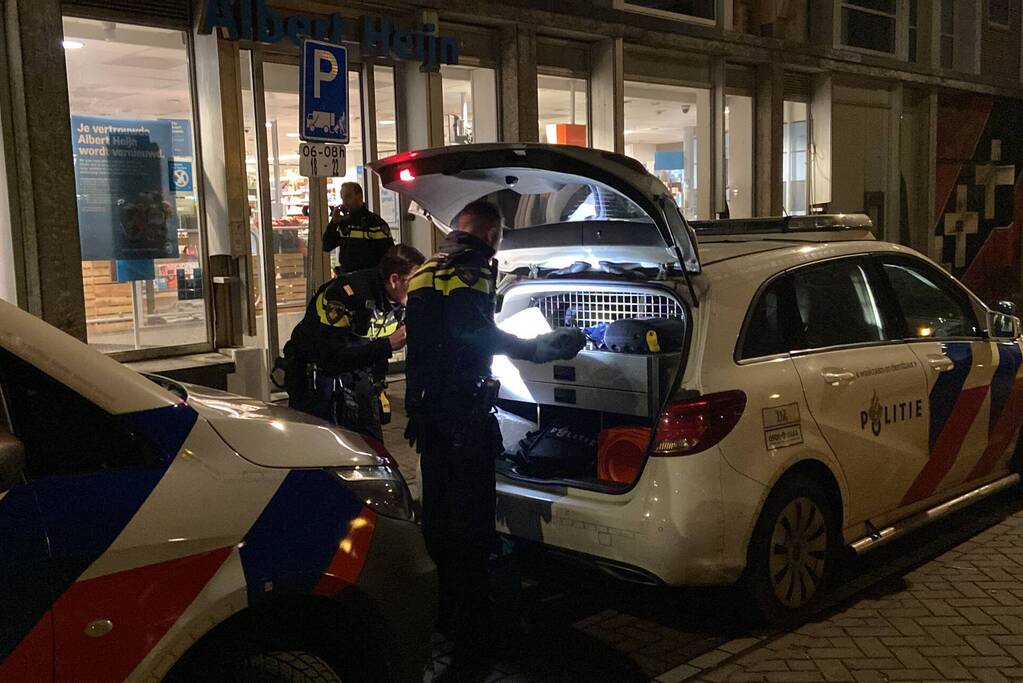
[362,235]
[452,339]
[336,360]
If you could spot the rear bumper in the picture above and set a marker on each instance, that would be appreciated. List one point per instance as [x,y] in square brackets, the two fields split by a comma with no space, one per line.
[684,523]
[400,581]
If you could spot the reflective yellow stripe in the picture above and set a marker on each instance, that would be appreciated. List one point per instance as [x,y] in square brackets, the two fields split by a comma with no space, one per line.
[446,280]
[342,320]
[369,234]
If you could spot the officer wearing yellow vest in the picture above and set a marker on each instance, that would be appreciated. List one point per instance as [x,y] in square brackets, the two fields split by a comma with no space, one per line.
[452,339]
[336,360]
[363,236]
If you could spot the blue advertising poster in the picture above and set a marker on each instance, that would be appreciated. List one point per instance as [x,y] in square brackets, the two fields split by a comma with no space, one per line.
[123,180]
[140,269]
[181,138]
[324,93]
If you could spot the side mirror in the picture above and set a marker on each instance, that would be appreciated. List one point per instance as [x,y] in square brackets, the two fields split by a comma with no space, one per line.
[1004,307]
[1002,325]
[12,460]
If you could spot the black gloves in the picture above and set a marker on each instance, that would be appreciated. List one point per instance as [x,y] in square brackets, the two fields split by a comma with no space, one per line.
[561,344]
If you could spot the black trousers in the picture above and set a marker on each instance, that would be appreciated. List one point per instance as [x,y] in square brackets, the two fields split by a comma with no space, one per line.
[457,466]
[327,402]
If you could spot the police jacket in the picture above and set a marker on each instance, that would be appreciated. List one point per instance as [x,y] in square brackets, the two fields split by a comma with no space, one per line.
[452,336]
[363,236]
[346,326]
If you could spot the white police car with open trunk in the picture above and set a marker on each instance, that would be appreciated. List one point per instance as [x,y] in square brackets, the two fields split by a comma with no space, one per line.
[819,388]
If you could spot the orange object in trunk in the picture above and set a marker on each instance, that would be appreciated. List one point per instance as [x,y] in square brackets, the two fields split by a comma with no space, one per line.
[620,453]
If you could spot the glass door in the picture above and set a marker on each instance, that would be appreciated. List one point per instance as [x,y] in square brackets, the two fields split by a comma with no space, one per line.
[287,211]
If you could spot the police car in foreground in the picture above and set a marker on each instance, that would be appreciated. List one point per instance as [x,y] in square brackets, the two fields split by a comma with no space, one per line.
[149,529]
[828,389]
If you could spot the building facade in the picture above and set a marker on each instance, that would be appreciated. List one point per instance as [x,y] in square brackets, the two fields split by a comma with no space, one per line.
[908,110]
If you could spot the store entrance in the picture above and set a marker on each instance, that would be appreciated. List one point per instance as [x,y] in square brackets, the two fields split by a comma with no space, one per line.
[288,212]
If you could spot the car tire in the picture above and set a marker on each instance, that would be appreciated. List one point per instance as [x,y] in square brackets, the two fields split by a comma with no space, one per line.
[292,666]
[791,553]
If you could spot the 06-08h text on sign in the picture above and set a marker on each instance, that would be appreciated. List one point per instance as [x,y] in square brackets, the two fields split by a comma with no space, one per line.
[321,160]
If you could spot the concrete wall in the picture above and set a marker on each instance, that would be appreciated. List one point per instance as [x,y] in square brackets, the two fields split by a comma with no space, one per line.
[1000,48]
[860,147]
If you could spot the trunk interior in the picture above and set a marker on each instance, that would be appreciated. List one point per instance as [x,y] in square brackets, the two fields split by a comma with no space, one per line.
[588,422]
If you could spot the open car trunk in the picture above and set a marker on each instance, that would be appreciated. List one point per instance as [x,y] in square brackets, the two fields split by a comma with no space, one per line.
[591,239]
[586,422]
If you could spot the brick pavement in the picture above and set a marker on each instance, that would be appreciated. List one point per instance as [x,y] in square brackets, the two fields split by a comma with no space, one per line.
[945,603]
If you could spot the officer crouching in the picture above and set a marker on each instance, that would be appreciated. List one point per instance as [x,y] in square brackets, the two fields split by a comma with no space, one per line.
[336,360]
[452,339]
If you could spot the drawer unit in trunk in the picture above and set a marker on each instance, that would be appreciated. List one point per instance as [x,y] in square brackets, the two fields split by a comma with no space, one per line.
[593,380]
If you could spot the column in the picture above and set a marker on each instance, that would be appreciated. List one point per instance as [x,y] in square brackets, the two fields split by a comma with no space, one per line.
[893,189]
[519,107]
[225,188]
[420,101]
[46,212]
[770,115]
[719,203]
[607,95]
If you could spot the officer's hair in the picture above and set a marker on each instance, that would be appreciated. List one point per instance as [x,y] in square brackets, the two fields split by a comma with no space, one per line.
[477,216]
[355,187]
[401,259]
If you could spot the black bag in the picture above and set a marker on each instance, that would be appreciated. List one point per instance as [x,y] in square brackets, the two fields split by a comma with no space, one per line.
[645,335]
[565,447]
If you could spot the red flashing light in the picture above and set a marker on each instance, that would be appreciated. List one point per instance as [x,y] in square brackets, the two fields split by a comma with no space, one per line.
[405,175]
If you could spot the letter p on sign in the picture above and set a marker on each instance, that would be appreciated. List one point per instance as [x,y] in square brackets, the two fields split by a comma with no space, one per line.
[326,70]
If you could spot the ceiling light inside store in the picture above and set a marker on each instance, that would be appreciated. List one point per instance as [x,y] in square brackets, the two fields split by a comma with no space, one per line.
[73,45]
[387,122]
[292,135]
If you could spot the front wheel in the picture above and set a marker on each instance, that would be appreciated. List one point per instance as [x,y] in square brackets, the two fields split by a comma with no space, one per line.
[791,552]
[284,667]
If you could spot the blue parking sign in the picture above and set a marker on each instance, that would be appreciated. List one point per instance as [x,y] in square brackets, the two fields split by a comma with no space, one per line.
[324,92]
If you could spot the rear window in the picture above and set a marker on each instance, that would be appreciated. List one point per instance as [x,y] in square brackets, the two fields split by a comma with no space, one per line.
[528,197]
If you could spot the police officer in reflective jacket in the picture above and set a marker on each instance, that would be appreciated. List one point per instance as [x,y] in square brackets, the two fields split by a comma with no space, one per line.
[452,339]
[363,236]
[336,359]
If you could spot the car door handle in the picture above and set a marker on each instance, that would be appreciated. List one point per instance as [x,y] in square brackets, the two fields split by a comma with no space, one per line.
[939,362]
[836,376]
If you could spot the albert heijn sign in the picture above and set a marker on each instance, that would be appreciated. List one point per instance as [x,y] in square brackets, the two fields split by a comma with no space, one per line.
[380,37]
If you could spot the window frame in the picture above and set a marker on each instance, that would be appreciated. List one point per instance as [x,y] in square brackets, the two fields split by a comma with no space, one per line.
[997,25]
[626,6]
[946,282]
[209,345]
[897,29]
[868,269]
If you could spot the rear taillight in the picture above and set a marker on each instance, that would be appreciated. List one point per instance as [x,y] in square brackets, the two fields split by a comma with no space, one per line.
[687,427]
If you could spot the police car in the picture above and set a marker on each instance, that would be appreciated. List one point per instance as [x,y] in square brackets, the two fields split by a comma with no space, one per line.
[827,390]
[151,529]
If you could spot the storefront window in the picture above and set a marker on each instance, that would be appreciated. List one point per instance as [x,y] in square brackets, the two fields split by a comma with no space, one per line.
[387,142]
[470,105]
[794,158]
[135,175]
[739,155]
[563,110]
[663,125]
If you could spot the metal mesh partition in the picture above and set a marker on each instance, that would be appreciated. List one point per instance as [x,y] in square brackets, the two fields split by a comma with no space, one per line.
[585,308]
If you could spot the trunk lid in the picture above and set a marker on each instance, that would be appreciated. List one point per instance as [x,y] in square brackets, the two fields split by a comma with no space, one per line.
[561,204]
